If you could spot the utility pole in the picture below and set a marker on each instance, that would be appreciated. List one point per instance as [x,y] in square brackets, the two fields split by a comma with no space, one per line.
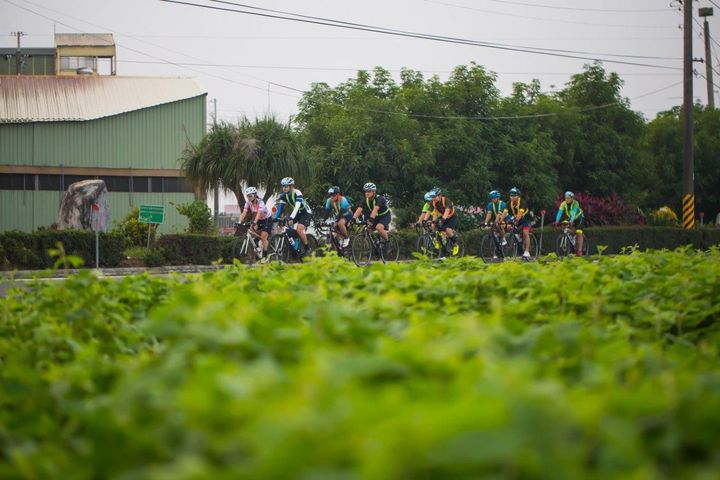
[18,63]
[708,12]
[216,202]
[688,178]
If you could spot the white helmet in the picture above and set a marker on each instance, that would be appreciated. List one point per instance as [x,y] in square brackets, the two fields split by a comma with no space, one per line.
[251,191]
[369,187]
[287,181]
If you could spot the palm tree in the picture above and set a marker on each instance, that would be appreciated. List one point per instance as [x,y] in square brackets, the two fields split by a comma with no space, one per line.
[257,153]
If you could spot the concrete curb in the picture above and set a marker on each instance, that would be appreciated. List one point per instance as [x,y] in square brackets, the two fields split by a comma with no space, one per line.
[111,272]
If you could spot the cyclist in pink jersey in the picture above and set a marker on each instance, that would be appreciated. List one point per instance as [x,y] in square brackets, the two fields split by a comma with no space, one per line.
[261,224]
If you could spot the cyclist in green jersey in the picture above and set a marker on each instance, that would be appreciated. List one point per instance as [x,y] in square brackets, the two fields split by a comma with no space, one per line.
[571,210]
[427,208]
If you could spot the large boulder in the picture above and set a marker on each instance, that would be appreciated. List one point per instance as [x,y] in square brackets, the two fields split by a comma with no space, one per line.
[76,208]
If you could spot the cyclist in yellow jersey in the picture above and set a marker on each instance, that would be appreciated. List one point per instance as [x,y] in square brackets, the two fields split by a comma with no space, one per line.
[519,214]
[376,211]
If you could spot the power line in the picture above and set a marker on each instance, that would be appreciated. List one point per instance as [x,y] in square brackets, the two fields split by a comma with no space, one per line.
[576,9]
[385,29]
[544,19]
[355,69]
[162,60]
[164,48]
[418,35]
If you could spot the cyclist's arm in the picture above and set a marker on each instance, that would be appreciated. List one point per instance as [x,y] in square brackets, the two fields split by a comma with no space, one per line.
[358,212]
[487,216]
[573,213]
[298,204]
[279,210]
[559,214]
[375,211]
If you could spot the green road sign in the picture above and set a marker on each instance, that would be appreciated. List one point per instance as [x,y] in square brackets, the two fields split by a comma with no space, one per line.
[152,214]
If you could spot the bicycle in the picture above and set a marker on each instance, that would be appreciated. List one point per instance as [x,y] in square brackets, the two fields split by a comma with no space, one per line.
[286,245]
[566,243]
[491,248]
[333,239]
[367,245]
[250,246]
[433,244]
[516,246]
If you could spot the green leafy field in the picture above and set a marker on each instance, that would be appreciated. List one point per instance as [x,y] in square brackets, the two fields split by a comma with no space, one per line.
[565,370]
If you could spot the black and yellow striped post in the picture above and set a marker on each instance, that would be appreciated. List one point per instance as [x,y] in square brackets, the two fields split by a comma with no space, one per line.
[688,212]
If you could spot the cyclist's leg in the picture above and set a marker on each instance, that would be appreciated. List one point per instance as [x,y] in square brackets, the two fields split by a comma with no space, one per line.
[382,225]
[341,224]
[579,234]
[302,221]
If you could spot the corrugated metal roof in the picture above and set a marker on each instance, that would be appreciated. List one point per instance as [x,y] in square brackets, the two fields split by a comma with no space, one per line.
[84,39]
[28,51]
[25,99]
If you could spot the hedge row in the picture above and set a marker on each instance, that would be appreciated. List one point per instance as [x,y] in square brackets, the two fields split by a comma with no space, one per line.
[29,250]
[21,250]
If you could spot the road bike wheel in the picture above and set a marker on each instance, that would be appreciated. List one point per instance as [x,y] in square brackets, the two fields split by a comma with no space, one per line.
[279,249]
[361,248]
[490,251]
[238,248]
[390,251]
[563,246]
[458,248]
[425,246]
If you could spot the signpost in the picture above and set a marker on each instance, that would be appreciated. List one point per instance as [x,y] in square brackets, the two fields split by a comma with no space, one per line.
[96,227]
[152,215]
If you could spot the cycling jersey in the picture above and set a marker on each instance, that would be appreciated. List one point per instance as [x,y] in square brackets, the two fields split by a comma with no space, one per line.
[257,206]
[572,212]
[369,205]
[340,207]
[496,208]
[293,199]
[442,203]
[518,208]
[427,208]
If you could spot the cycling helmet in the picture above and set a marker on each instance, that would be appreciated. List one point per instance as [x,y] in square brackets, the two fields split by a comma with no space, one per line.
[429,196]
[369,187]
[514,192]
[494,194]
[287,181]
[570,194]
[333,190]
[251,191]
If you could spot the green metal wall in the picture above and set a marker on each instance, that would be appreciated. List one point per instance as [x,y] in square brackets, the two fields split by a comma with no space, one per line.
[149,138]
[34,65]
[28,210]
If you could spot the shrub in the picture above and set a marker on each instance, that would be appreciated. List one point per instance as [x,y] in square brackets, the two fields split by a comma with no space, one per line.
[154,257]
[610,210]
[664,216]
[134,232]
[30,250]
[189,249]
[199,217]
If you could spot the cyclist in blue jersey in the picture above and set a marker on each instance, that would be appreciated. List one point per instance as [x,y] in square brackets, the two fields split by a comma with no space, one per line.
[340,208]
[298,211]
[496,210]
[571,210]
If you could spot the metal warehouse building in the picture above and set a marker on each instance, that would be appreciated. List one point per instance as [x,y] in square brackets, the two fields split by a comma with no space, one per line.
[128,131]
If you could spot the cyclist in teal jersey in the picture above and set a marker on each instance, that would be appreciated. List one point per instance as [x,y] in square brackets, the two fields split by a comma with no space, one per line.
[571,210]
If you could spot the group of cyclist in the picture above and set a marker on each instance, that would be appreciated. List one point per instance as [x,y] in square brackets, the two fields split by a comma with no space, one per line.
[438,211]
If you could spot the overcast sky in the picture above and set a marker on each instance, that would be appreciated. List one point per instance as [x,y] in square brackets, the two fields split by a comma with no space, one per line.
[258,52]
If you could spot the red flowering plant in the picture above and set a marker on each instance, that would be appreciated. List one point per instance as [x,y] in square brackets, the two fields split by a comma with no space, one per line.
[610,210]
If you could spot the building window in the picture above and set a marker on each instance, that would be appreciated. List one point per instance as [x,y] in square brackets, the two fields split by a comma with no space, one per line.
[73,63]
[17,181]
[13,181]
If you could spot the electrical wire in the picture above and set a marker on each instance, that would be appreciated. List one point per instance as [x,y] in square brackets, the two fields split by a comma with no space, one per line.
[544,19]
[576,9]
[159,59]
[354,24]
[420,36]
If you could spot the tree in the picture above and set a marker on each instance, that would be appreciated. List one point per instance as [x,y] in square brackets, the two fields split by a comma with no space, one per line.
[258,153]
